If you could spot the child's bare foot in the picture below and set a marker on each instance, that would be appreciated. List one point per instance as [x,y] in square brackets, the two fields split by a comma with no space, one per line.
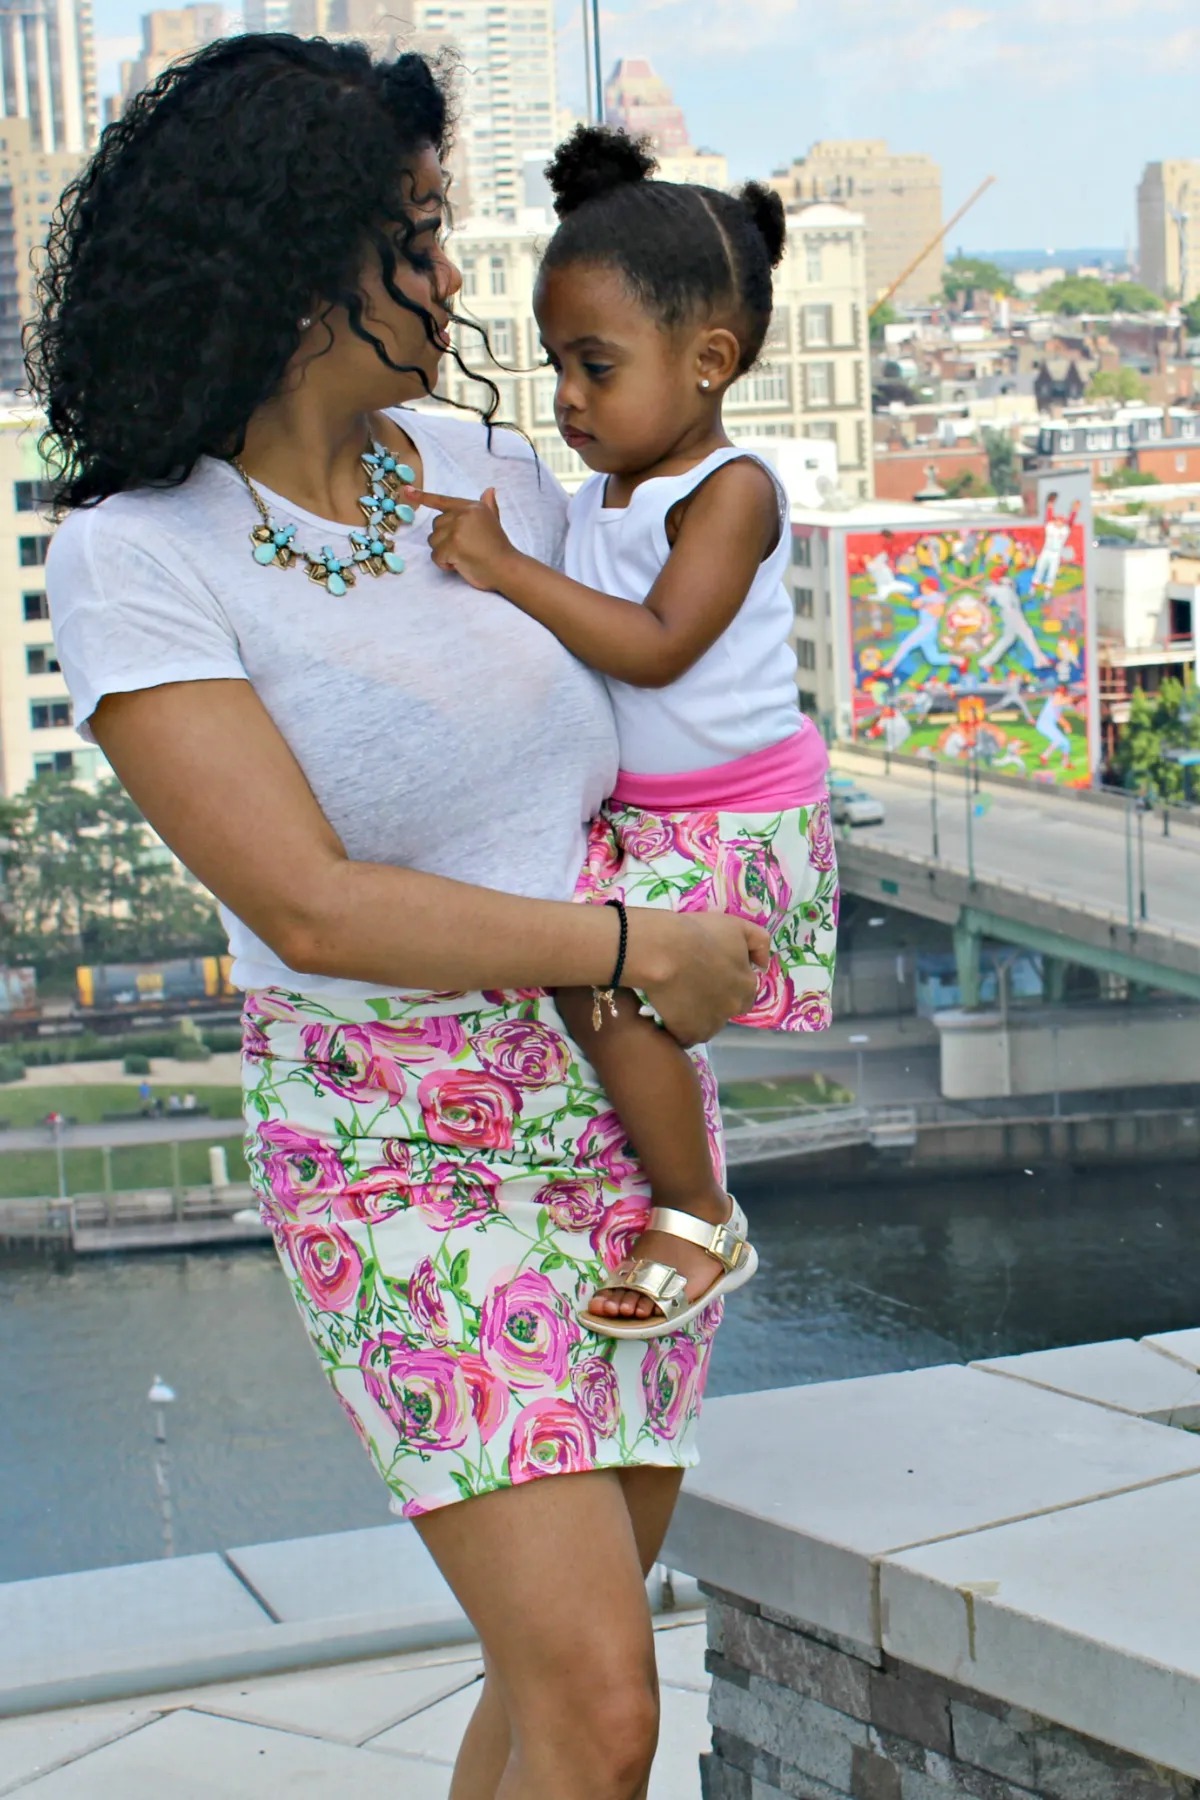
[698,1269]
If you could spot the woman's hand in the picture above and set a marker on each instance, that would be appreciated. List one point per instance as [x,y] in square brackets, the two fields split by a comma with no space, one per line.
[698,970]
[467,536]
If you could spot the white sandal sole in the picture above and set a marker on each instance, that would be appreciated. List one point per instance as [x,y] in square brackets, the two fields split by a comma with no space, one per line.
[656,1328]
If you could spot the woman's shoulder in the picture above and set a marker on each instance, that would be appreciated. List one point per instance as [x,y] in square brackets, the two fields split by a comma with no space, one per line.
[133,516]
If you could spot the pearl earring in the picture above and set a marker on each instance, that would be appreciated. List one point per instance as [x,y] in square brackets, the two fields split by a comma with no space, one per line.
[705,383]
[305,322]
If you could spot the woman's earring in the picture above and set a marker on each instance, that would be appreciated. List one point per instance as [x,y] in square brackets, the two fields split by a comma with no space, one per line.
[304,323]
[705,383]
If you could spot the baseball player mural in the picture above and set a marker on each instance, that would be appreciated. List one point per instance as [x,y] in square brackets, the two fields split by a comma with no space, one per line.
[971,642]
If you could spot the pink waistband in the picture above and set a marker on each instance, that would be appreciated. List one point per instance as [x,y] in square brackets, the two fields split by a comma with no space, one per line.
[783,775]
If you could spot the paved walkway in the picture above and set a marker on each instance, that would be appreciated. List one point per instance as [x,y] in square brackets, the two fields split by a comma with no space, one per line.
[382,1730]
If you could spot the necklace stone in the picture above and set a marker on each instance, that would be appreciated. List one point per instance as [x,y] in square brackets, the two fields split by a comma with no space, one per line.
[372,547]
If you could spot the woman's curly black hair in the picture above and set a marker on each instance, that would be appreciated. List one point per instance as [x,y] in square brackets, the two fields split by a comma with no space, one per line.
[686,251]
[240,186]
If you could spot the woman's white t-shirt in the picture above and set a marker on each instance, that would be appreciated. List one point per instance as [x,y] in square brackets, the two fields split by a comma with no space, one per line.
[440,728]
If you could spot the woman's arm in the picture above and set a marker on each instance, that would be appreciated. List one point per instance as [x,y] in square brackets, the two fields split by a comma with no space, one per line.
[210,771]
[730,524]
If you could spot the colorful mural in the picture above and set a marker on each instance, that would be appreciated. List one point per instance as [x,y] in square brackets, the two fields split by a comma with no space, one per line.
[972,642]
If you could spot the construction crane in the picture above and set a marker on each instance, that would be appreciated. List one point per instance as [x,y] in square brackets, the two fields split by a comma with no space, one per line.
[931,245]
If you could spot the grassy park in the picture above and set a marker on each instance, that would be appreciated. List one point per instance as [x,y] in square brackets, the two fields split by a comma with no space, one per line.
[25,1174]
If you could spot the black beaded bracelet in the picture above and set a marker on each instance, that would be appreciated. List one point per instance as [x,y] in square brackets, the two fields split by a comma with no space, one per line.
[608,996]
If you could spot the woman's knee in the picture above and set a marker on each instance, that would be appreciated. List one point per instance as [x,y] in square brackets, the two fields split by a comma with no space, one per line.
[603,1716]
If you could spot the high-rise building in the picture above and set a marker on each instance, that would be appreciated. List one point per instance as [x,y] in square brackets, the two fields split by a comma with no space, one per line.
[811,381]
[37,734]
[166,36]
[899,197]
[639,101]
[31,181]
[48,71]
[509,98]
[1169,228]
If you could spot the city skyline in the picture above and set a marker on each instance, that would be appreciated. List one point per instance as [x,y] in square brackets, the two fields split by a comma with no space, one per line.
[1030,93]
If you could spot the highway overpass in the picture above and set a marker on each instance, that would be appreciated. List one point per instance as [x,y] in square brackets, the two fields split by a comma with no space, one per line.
[1051,871]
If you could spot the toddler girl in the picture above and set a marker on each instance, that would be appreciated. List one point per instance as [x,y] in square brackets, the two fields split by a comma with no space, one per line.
[652,299]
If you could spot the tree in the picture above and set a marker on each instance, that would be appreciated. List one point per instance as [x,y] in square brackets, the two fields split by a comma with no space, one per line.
[86,880]
[1167,720]
[1002,461]
[968,275]
[1076,294]
[882,316]
[1128,478]
[1191,317]
[1131,296]
[966,483]
[1117,384]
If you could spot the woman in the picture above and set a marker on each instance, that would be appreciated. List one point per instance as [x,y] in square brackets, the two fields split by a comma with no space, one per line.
[385,778]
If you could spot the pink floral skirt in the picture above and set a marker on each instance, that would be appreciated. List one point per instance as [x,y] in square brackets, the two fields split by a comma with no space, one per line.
[444,1177]
[778,869]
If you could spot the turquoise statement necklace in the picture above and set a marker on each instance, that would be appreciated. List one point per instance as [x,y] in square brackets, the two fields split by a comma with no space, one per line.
[372,547]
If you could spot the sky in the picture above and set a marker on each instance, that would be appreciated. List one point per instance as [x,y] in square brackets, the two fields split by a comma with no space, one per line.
[1064,101]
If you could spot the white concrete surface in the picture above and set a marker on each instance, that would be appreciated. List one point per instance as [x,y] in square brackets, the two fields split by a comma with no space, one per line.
[1129,1377]
[1184,1346]
[385,1569]
[801,1490]
[136,1609]
[380,1730]
[1086,1616]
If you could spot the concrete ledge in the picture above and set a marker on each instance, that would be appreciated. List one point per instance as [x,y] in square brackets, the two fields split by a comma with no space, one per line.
[1128,1377]
[955,1582]
[108,1634]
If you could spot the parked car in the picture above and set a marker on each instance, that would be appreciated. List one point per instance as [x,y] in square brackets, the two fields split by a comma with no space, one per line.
[856,807]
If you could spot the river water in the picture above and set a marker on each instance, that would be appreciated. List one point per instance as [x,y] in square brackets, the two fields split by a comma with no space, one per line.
[854,1281]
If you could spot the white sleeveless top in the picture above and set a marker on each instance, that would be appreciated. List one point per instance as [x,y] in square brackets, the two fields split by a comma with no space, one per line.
[741,695]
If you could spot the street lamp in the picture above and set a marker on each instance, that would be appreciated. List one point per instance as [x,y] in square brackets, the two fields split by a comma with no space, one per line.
[160,1397]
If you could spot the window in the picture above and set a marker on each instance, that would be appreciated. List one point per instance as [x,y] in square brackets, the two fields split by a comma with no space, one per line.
[1106,465]
[36,607]
[1180,462]
[33,551]
[1181,619]
[502,338]
[812,261]
[818,327]
[50,715]
[804,603]
[469,284]
[767,386]
[41,660]
[818,379]
[806,653]
[499,275]
[826,429]
[544,389]
[778,336]
[802,552]
[61,762]
[29,496]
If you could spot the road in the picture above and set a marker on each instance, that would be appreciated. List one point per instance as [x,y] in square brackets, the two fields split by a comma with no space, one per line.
[174,1129]
[1069,848]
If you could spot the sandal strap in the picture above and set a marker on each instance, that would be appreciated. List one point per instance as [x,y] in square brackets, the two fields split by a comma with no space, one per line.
[658,1281]
[726,1242]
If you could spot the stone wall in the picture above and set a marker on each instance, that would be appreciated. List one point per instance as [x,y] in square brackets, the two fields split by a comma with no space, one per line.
[802,1714]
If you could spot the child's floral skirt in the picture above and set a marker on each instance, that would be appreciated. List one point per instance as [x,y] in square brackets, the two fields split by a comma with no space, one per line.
[444,1178]
[778,869]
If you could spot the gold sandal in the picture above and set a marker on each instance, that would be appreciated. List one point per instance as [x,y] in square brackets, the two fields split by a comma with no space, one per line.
[664,1285]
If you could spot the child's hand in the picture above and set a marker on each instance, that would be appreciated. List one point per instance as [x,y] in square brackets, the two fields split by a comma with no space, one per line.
[467,536]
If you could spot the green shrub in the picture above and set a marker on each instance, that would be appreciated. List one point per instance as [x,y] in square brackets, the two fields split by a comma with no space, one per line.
[136,1064]
[11,1069]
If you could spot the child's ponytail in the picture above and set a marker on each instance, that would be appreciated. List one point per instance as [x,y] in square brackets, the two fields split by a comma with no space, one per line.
[592,162]
[768,217]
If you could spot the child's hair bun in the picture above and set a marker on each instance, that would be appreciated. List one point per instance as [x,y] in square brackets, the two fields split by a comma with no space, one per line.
[593,161]
[768,216]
